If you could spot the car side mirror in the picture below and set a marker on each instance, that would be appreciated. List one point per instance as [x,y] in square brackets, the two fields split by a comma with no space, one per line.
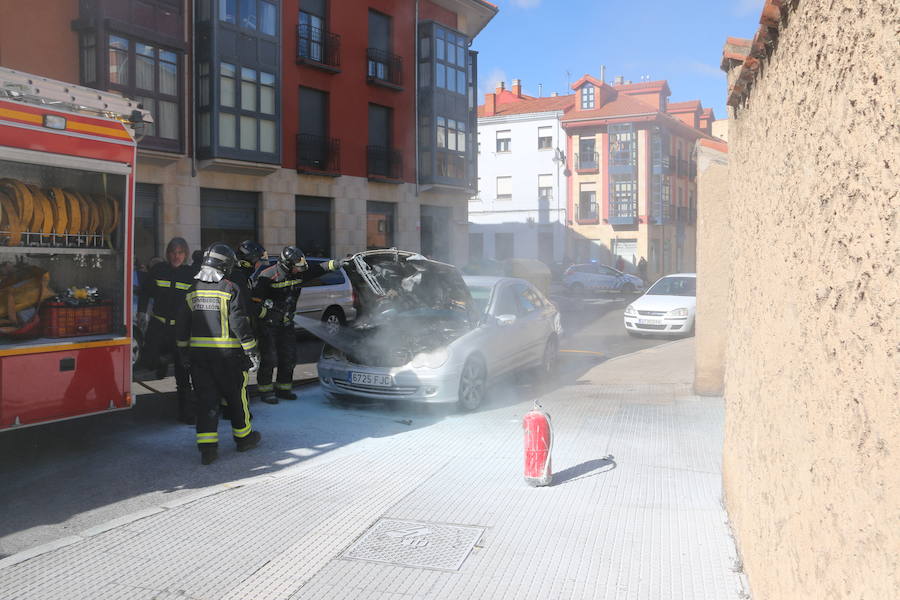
[506,320]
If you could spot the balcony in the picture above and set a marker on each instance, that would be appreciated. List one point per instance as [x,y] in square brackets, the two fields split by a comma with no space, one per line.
[587,161]
[384,163]
[318,48]
[623,211]
[384,68]
[318,154]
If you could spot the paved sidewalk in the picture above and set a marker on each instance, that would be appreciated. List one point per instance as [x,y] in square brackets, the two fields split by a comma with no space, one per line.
[634,511]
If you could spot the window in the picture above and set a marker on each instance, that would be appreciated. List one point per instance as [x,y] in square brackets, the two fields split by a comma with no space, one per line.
[451,146]
[622,145]
[247,109]
[382,64]
[587,158]
[450,60]
[88,48]
[504,188]
[504,141]
[147,73]
[623,200]
[545,138]
[528,302]
[506,299]
[587,97]
[312,30]
[545,187]
[503,249]
[587,202]
[146,221]
[380,225]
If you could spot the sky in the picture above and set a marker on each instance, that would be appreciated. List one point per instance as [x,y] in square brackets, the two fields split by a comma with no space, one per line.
[556,42]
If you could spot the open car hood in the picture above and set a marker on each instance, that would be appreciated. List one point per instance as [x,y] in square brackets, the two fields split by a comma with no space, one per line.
[392,283]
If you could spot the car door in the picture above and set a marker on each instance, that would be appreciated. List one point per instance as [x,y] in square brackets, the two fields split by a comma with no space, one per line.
[609,278]
[505,344]
[536,322]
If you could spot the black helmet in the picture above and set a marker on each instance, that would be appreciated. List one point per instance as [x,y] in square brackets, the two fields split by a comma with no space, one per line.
[219,256]
[250,252]
[291,257]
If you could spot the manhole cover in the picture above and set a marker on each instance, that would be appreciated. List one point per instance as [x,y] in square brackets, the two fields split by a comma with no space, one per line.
[416,544]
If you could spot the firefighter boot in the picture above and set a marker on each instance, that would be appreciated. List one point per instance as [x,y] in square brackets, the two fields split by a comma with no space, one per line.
[208,453]
[268,398]
[249,442]
[284,393]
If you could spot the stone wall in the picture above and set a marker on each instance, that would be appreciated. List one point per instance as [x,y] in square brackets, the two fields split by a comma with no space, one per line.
[812,384]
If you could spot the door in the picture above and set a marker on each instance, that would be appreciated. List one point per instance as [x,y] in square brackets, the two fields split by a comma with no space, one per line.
[505,346]
[534,322]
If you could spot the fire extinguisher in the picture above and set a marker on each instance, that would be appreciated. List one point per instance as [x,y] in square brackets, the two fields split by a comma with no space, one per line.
[538,444]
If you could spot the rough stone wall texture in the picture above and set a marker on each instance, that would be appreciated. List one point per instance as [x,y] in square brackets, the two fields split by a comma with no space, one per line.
[812,384]
[713,271]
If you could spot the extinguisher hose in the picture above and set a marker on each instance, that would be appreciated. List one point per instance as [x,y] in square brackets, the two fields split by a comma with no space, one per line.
[550,449]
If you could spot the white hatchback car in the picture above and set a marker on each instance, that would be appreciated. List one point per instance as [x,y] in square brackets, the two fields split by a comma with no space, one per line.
[668,307]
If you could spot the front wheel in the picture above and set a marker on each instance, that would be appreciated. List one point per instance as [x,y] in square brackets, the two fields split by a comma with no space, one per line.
[550,359]
[472,385]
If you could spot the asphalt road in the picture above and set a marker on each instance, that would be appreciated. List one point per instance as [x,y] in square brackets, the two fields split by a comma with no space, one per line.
[62,478]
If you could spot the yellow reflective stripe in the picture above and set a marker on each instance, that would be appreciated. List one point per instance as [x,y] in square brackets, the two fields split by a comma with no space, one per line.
[182,286]
[208,438]
[264,387]
[263,312]
[332,265]
[181,344]
[198,342]
[163,283]
[223,317]
[160,319]
[283,386]
[209,294]
[288,283]
[245,402]
[248,345]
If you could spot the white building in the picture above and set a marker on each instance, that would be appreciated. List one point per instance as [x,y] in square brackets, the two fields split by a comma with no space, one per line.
[520,209]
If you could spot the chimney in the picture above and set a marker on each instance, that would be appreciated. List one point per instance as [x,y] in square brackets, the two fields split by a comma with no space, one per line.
[603,73]
[490,105]
[517,87]
[501,85]
[554,94]
[619,80]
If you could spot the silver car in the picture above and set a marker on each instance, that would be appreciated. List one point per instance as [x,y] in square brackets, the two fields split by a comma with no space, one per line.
[597,278]
[328,299]
[426,334]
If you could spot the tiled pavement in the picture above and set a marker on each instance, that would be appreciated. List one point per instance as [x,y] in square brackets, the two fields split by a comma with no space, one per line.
[634,512]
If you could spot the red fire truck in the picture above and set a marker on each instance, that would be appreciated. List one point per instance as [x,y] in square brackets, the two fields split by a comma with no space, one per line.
[67,160]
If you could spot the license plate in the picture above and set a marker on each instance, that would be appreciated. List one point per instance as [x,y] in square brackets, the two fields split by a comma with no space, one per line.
[649,322]
[373,379]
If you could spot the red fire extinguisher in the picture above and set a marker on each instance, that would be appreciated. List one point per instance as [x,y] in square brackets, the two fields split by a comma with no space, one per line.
[538,444]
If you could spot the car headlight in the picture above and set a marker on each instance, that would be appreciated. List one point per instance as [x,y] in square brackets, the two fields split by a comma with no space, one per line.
[430,360]
[630,311]
[678,312]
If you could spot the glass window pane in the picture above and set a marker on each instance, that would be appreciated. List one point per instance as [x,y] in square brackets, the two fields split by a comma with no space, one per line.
[227,12]
[144,50]
[439,49]
[118,60]
[267,18]
[227,69]
[168,120]
[226,91]
[425,48]
[248,74]
[168,79]
[439,33]
[451,139]
[461,82]
[150,105]
[267,135]
[168,56]
[226,130]
[248,133]
[248,14]
[461,141]
[248,96]
[451,79]
[143,73]
[439,79]
[425,74]
[266,78]
[461,56]
[267,100]
[203,129]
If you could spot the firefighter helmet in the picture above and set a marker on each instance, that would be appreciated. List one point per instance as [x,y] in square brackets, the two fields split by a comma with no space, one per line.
[250,252]
[292,257]
[219,256]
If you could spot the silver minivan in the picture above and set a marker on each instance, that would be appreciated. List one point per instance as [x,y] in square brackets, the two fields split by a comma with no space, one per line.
[330,298]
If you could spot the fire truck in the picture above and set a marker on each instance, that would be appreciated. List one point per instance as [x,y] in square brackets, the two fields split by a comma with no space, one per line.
[67,163]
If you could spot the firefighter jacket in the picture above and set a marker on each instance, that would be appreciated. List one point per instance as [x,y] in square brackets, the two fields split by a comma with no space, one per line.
[283,289]
[243,277]
[167,285]
[212,321]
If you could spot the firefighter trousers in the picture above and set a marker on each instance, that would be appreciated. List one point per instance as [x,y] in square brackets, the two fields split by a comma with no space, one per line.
[160,341]
[215,380]
[278,348]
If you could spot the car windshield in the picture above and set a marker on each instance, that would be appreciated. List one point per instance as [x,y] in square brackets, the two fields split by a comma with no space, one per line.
[674,286]
[481,296]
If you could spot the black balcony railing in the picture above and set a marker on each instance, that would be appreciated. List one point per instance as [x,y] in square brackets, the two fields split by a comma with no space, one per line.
[587,211]
[587,161]
[384,67]
[318,46]
[318,153]
[384,162]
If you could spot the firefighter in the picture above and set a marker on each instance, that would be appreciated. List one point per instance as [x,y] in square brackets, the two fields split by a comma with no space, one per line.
[277,290]
[168,283]
[250,257]
[215,338]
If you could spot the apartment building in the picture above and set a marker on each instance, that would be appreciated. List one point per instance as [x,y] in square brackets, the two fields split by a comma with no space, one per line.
[520,208]
[632,192]
[337,126]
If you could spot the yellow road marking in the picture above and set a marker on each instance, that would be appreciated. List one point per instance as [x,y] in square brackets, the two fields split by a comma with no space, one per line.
[584,352]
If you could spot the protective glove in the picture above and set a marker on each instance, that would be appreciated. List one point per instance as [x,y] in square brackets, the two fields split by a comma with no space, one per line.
[254,362]
[343,262]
